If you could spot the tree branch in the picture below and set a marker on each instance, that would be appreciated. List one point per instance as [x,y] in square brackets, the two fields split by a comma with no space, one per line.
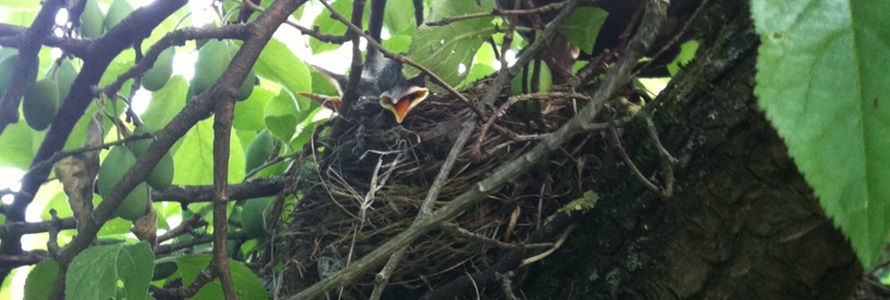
[222,135]
[186,195]
[12,36]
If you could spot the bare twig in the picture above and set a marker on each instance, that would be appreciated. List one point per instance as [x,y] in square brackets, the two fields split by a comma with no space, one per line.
[204,277]
[52,245]
[315,33]
[58,156]
[182,228]
[633,167]
[222,135]
[186,195]
[667,161]
[173,39]
[559,242]
[22,228]
[25,259]
[457,230]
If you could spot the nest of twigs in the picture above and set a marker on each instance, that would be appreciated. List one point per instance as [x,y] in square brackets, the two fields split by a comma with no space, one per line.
[373,177]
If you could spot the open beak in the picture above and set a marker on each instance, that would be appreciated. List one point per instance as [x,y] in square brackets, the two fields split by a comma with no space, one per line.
[331,102]
[400,101]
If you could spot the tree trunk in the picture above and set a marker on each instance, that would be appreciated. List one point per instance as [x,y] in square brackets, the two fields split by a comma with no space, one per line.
[742,223]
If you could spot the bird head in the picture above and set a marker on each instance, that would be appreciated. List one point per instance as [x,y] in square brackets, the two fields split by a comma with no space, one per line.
[402,98]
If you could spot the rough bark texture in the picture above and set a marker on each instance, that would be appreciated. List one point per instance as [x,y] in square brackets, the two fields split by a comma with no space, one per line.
[743,224]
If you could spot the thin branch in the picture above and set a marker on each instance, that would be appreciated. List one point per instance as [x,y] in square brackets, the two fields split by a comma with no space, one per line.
[466,234]
[204,277]
[182,228]
[59,156]
[11,36]
[356,68]
[23,228]
[185,195]
[178,37]
[314,32]
[222,135]
[197,240]
[633,167]
[27,258]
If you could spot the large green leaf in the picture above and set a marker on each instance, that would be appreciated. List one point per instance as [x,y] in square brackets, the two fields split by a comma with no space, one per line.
[399,17]
[278,64]
[41,280]
[583,26]
[246,283]
[281,116]
[249,113]
[443,48]
[17,142]
[822,81]
[193,161]
[96,272]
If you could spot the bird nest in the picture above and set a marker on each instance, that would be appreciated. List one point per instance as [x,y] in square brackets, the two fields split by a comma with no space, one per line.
[371,181]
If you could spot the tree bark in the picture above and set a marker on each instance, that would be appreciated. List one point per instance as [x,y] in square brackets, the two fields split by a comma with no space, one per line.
[742,223]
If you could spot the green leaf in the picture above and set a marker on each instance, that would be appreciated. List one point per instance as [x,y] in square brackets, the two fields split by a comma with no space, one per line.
[166,103]
[583,26]
[193,161]
[249,113]
[687,53]
[822,81]
[5,289]
[41,280]
[17,142]
[246,283]
[399,18]
[281,116]
[443,48]
[278,64]
[97,271]
[398,43]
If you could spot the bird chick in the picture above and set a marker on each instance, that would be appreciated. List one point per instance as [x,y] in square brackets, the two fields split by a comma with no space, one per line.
[382,78]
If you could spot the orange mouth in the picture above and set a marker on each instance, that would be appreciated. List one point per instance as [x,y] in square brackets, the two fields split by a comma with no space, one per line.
[405,101]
